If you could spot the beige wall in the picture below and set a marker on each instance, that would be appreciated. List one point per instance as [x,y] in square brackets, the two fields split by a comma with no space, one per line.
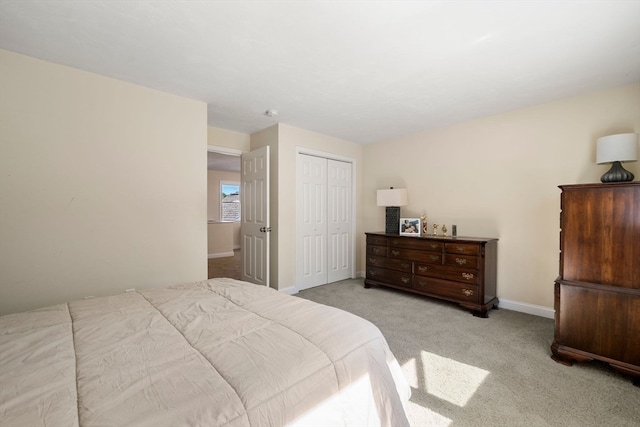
[214,180]
[499,177]
[228,138]
[103,185]
[220,239]
[290,140]
[285,141]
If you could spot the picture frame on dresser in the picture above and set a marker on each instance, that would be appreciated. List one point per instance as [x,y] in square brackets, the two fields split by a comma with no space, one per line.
[410,226]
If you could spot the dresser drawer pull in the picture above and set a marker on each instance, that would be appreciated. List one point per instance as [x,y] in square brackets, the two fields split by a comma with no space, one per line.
[460,248]
[395,241]
[378,251]
[421,283]
[405,265]
[467,276]
[423,268]
[373,273]
[405,280]
[467,292]
[461,261]
[395,253]
[372,260]
[434,246]
[434,257]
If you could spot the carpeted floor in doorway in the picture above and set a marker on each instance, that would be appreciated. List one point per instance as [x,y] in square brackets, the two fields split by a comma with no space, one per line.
[225,267]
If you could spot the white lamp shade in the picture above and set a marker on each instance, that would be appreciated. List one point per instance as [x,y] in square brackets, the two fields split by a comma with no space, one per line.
[622,148]
[393,197]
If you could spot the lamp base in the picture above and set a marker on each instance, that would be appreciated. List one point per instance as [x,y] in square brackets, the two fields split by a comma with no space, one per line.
[617,174]
[392,224]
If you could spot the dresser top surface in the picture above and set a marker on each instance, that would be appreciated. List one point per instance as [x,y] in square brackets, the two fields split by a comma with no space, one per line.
[438,238]
[600,185]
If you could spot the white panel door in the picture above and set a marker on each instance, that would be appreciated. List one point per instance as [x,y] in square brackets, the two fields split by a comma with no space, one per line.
[339,220]
[324,221]
[311,221]
[255,225]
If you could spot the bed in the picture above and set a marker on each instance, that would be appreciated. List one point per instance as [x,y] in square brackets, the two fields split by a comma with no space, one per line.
[215,353]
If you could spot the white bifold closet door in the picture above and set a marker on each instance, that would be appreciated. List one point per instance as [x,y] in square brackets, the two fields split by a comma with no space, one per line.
[324,221]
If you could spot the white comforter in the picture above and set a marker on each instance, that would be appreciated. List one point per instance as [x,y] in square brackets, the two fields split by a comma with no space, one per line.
[213,353]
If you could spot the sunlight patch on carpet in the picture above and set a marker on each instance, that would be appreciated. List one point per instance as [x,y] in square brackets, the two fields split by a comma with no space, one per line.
[444,378]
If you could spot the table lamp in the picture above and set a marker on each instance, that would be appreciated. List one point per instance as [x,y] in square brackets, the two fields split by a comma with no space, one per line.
[614,149]
[392,199]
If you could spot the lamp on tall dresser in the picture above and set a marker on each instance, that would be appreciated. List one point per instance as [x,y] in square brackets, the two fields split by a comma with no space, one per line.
[393,198]
[614,149]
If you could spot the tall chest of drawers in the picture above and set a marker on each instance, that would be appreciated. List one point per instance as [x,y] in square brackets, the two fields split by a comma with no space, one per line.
[597,293]
[461,270]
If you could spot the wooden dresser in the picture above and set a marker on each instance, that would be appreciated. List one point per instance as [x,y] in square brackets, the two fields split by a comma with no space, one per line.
[597,294]
[458,269]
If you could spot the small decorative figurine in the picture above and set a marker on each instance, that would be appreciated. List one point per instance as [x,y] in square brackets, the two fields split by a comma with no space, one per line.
[425,229]
[444,230]
[435,230]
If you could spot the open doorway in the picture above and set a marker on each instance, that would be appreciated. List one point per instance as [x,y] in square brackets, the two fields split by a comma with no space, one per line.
[223,228]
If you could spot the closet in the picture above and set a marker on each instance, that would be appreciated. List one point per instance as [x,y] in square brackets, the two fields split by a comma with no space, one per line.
[323,221]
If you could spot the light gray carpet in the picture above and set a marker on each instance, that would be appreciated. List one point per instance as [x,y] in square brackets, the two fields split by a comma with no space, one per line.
[468,371]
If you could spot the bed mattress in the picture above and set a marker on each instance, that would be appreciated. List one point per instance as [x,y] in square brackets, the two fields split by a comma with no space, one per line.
[215,353]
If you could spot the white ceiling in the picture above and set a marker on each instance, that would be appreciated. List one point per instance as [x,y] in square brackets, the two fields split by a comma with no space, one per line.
[363,71]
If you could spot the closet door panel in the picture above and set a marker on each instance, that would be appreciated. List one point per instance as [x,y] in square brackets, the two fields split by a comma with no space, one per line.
[339,215]
[312,222]
[324,221]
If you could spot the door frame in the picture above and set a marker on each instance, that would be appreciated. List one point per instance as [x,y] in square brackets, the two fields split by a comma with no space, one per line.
[226,150]
[222,150]
[332,156]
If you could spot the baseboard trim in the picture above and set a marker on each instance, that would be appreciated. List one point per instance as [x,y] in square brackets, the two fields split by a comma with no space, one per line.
[221,255]
[523,307]
[292,290]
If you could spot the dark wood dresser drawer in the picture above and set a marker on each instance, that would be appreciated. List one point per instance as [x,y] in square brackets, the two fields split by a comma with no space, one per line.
[447,290]
[376,250]
[462,261]
[429,258]
[416,243]
[393,264]
[376,240]
[390,276]
[409,254]
[457,274]
[462,248]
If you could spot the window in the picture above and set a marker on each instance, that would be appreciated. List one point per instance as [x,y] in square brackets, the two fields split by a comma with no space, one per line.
[230,201]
